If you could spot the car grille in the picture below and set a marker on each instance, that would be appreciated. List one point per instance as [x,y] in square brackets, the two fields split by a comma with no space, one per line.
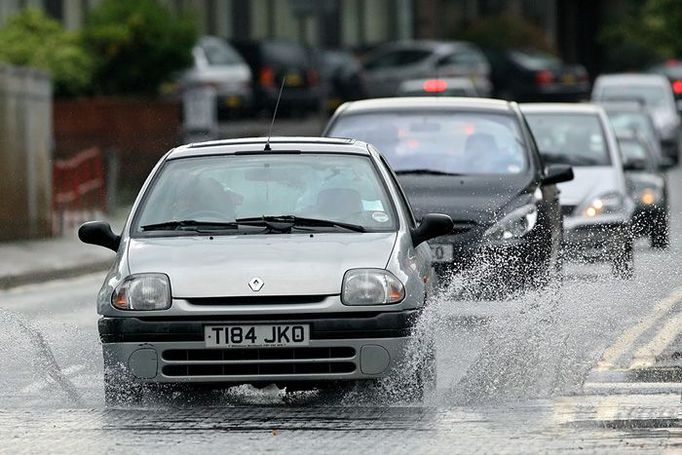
[258,300]
[567,210]
[256,362]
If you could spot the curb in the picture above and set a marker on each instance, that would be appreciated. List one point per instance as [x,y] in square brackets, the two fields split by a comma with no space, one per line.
[39,276]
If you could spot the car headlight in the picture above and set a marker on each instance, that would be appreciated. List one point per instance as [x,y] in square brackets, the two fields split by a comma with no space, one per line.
[649,196]
[515,225]
[371,287]
[143,292]
[603,205]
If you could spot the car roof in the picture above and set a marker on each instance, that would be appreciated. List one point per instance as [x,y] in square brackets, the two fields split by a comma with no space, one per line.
[277,144]
[425,103]
[571,108]
[632,79]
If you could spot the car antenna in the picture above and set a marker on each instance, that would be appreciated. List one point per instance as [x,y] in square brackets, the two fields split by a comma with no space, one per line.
[274,114]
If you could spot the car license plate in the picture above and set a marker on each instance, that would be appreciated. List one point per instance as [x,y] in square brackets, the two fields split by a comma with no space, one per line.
[569,79]
[257,336]
[233,101]
[294,80]
[442,253]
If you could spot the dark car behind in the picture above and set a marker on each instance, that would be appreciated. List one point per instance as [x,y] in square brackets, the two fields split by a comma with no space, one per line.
[341,73]
[272,61]
[476,161]
[531,75]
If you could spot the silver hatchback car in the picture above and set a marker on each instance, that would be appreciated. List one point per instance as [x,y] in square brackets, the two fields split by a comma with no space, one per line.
[296,262]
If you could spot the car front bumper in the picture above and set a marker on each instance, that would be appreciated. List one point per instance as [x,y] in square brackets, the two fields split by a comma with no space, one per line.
[342,347]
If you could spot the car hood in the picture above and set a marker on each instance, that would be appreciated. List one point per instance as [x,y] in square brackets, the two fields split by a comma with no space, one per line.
[589,182]
[288,264]
[478,199]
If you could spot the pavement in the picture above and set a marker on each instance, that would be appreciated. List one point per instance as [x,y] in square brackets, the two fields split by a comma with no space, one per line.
[34,261]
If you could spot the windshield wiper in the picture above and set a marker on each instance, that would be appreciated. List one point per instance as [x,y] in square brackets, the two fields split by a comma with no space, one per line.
[426,172]
[173,225]
[284,223]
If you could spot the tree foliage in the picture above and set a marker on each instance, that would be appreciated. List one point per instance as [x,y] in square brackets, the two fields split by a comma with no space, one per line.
[32,39]
[645,32]
[136,45]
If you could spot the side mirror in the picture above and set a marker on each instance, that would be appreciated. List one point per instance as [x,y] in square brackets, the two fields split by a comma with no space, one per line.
[634,165]
[557,173]
[99,233]
[433,225]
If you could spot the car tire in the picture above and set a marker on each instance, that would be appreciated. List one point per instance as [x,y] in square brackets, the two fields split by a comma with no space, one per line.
[120,388]
[623,266]
[423,380]
[659,237]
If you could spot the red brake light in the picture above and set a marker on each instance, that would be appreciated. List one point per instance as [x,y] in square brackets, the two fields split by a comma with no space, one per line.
[313,77]
[266,77]
[544,77]
[677,87]
[435,86]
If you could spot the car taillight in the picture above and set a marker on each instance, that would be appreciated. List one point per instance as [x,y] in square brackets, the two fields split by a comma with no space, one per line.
[266,77]
[677,87]
[544,77]
[435,86]
[313,77]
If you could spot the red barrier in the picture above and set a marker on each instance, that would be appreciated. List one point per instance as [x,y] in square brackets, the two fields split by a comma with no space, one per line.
[78,189]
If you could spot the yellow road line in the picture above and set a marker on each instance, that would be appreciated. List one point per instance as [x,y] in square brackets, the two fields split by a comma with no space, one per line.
[623,342]
[645,357]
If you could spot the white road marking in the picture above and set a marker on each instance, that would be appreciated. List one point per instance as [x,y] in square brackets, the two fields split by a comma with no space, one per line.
[628,338]
[645,357]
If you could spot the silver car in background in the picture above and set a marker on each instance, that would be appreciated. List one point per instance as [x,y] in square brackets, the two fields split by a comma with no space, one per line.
[653,91]
[219,66]
[390,65]
[294,261]
[597,207]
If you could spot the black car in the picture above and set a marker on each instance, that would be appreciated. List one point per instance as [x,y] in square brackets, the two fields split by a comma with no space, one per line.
[476,161]
[531,75]
[647,186]
[342,75]
[273,61]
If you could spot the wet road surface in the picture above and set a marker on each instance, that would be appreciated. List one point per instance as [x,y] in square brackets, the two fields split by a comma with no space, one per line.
[588,365]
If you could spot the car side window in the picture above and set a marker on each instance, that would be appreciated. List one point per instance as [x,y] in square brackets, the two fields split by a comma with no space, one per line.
[387,60]
[402,199]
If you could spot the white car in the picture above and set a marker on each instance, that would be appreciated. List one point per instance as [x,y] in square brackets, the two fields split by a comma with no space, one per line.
[598,210]
[653,91]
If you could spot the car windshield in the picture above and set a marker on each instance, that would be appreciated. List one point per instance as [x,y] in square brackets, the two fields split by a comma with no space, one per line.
[448,142]
[633,150]
[222,189]
[638,122]
[218,54]
[575,139]
[650,95]
[534,59]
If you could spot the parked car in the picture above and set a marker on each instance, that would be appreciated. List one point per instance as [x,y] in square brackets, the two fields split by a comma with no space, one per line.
[597,207]
[532,75]
[293,261]
[273,61]
[451,86]
[633,117]
[390,65]
[648,188]
[475,160]
[219,66]
[653,92]
[342,74]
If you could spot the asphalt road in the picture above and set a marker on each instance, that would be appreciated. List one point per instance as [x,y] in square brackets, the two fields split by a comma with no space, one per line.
[588,365]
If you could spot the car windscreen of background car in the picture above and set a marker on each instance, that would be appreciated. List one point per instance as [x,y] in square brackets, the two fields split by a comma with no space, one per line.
[650,95]
[458,143]
[341,188]
[221,55]
[633,121]
[575,139]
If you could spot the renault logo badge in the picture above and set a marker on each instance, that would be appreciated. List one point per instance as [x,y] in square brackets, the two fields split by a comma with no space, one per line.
[256,284]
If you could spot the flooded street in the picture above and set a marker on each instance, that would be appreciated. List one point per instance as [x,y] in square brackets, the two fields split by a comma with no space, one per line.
[587,365]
